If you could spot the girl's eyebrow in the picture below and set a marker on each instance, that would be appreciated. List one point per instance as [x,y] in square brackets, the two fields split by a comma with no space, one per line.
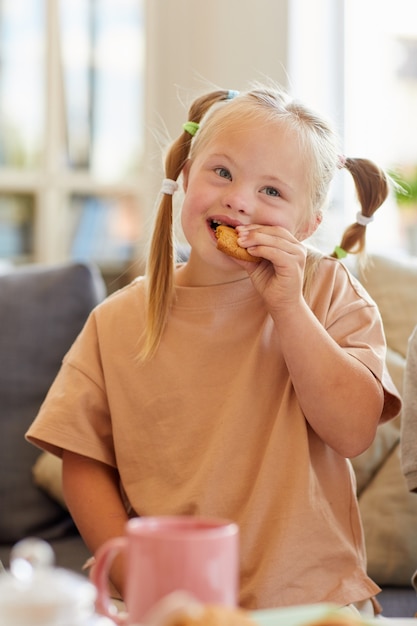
[219,155]
[270,179]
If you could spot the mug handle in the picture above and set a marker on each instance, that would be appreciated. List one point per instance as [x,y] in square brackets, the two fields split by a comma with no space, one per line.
[99,576]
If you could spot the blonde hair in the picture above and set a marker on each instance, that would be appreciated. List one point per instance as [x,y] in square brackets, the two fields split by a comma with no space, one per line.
[319,146]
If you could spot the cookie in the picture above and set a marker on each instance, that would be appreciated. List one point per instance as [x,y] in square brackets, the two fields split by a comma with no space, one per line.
[212,615]
[227,243]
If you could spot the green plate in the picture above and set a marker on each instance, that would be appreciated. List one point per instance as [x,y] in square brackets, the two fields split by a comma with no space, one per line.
[292,616]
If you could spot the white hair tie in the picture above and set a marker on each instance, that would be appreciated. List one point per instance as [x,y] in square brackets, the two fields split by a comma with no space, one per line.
[169,186]
[341,161]
[363,220]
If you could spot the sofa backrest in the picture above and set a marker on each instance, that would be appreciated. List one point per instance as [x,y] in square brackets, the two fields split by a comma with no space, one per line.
[392,283]
[42,310]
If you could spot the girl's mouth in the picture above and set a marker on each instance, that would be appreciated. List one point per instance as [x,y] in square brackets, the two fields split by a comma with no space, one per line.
[215,223]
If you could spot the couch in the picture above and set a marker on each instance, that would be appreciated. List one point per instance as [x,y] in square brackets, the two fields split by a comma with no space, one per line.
[388,508]
[42,310]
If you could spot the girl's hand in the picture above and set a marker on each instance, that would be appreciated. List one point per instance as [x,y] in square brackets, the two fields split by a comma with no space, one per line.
[340,397]
[280,282]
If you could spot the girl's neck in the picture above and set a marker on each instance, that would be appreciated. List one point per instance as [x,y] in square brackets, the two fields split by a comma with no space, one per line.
[197,273]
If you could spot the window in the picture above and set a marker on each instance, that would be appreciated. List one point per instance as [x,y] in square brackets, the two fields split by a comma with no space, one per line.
[355,60]
[380,103]
[71,122]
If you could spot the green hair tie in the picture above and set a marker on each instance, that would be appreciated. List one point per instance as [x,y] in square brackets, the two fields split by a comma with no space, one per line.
[191,127]
[339,252]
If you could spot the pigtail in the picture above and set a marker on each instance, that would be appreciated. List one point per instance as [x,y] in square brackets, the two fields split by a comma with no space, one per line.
[372,190]
[161,259]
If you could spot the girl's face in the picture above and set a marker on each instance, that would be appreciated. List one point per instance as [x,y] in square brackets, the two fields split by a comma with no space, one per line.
[251,174]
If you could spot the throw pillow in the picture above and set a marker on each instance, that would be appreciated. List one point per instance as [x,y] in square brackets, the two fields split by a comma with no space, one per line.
[47,474]
[392,283]
[396,366]
[367,464]
[389,516]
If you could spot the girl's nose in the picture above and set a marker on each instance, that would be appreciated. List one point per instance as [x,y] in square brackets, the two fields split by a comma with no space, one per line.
[237,200]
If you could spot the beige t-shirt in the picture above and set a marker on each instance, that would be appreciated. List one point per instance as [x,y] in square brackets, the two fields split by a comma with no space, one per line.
[212,426]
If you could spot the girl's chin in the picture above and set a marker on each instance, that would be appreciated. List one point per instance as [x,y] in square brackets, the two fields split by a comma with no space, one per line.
[206,251]
[209,259]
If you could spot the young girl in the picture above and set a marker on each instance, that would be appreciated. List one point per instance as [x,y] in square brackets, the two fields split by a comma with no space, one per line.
[231,388]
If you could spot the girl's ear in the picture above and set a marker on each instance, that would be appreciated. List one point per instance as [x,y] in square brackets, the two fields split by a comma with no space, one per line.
[185,172]
[310,226]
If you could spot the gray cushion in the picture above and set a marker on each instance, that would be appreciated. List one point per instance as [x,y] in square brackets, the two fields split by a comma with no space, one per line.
[42,310]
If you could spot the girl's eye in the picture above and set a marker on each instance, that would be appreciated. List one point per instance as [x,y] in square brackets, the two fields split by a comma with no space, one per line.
[223,172]
[271,191]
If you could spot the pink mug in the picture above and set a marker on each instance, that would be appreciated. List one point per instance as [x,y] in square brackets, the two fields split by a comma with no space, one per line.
[170,553]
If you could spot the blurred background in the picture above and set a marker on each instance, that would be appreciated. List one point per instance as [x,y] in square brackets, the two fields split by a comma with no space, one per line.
[91,91]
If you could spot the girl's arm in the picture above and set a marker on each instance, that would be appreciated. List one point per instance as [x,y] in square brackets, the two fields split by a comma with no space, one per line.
[340,397]
[92,493]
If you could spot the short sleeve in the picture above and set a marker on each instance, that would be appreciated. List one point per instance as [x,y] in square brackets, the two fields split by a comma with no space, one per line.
[352,318]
